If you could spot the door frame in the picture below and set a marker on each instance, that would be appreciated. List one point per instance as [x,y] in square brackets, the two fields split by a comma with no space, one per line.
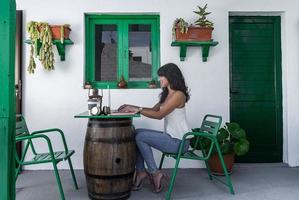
[18,70]
[279,87]
[7,99]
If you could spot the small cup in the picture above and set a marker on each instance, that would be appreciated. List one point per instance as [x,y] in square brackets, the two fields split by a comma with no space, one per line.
[106,110]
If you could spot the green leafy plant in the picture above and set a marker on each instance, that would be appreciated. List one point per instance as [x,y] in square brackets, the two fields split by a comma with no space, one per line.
[41,45]
[231,138]
[202,20]
[152,84]
[181,24]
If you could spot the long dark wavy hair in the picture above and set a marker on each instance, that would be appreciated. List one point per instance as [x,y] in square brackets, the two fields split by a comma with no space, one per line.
[175,78]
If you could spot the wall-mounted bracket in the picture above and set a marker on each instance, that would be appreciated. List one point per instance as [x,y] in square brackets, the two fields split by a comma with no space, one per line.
[205,48]
[60,46]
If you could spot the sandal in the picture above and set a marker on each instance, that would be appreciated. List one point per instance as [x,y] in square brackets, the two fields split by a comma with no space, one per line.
[139,179]
[158,178]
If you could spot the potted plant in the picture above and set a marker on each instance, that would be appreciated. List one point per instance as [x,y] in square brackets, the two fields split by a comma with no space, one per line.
[179,26]
[152,84]
[122,83]
[232,141]
[60,32]
[41,35]
[201,31]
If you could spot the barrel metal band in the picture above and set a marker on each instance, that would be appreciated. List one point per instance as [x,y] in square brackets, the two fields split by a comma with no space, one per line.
[111,140]
[119,176]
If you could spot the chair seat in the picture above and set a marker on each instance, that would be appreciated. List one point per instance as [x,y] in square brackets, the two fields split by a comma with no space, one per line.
[46,157]
[188,155]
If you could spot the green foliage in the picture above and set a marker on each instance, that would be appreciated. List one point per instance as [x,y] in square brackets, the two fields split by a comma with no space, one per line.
[202,20]
[231,138]
[181,24]
[41,40]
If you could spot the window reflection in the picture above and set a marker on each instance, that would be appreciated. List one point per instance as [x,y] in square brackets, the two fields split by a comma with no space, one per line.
[105,52]
[140,55]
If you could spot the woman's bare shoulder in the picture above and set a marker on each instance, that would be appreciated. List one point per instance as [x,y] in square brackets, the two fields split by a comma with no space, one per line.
[180,98]
[179,94]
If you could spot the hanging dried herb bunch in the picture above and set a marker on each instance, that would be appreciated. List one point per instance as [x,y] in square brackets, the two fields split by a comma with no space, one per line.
[41,45]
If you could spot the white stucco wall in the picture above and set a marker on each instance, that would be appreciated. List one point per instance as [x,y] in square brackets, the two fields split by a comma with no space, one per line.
[51,99]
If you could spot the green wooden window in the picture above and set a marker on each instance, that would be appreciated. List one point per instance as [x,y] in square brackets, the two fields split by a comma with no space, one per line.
[121,45]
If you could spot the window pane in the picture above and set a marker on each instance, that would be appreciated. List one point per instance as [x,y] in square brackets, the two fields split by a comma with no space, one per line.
[140,55]
[105,53]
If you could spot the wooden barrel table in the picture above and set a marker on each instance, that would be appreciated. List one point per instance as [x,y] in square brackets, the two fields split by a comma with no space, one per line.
[109,158]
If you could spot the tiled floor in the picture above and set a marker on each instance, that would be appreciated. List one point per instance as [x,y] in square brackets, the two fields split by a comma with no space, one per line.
[251,181]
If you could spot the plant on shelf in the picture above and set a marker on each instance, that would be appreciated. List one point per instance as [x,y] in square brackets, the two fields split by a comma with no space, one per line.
[181,25]
[60,32]
[42,36]
[202,20]
[201,31]
[232,141]
[41,45]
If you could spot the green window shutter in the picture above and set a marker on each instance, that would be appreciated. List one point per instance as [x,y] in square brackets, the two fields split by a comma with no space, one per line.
[123,24]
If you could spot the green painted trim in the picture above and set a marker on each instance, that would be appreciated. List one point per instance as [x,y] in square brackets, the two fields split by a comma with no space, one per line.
[7,98]
[121,21]
[278,82]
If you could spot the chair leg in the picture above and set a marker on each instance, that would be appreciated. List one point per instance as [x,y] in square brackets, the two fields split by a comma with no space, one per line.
[161,162]
[208,169]
[227,176]
[17,172]
[206,162]
[58,181]
[170,188]
[73,173]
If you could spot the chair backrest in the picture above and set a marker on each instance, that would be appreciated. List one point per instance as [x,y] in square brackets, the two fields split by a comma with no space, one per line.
[21,127]
[211,124]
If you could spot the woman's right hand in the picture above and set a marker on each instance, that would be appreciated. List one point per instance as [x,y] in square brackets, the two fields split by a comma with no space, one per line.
[122,107]
[127,108]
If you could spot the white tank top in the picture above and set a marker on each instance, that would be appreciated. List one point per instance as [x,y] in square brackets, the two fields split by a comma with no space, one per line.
[175,123]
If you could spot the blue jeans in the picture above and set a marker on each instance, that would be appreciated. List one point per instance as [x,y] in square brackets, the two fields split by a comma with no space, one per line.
[146,138]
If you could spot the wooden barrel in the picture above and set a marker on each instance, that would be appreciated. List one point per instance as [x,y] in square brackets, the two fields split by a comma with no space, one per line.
[109,158]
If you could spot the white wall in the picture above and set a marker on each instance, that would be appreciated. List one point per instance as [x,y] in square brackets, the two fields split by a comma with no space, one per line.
[51,99]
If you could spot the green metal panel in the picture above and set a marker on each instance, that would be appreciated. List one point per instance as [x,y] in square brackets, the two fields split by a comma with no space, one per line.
[7,98]
[255,84]
[122,22]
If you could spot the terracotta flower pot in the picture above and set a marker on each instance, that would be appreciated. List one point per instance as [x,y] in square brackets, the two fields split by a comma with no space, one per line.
[215,164]
[55,29]
[194,33]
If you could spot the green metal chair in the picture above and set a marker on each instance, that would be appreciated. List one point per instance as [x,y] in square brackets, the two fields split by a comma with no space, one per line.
[209,129]
[54,157]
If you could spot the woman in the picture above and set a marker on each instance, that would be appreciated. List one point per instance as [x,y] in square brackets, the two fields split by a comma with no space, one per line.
[171,107]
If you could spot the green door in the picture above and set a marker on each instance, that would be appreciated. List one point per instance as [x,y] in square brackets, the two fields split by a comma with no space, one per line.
[255,84]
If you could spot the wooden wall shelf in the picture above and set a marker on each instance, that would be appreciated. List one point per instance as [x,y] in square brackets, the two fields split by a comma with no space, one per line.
[60,46]
[204,45]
